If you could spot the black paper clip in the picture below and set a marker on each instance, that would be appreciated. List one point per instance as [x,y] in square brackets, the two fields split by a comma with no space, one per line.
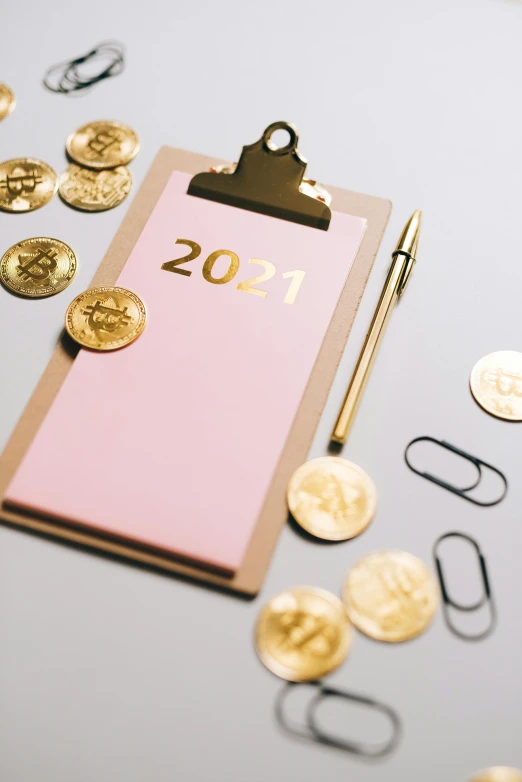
[448,602]
[67,77]
[464,492]
[314,732]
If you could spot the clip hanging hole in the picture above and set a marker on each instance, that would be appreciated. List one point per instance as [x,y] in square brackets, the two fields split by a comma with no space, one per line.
[280,138]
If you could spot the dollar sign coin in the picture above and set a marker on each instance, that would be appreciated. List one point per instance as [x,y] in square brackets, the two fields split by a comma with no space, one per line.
[103,144]
[94,191]
[26,184]
[390,596]
[331,498]
[105,318]
[496,384]
[303,634]
[38,267]
[7,101]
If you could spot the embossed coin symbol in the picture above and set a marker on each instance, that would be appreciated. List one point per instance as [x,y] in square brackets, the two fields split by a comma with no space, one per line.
[331,498]
[38,267]
[94,191]
[496,384]
[26,184]
[105,315]
[20,182]
[308,633]
[103,144]
[105,318]
[303,634]
[391,596]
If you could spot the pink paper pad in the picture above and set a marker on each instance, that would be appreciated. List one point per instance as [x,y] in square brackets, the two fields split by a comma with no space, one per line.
[172,441]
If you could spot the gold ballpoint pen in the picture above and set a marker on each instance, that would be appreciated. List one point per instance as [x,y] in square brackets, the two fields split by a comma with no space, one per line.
[403,260]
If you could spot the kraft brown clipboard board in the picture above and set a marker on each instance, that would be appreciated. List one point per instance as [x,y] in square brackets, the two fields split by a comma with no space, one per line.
[249,578]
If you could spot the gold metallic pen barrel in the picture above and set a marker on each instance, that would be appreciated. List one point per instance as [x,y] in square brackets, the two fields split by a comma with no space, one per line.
[389,296]
[403,260]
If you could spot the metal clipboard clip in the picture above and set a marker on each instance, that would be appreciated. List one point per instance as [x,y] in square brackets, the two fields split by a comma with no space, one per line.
[269,180]
[448,602]
[312,730]
[463,492]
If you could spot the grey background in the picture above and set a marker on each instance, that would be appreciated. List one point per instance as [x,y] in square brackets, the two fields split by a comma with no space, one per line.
[109,673]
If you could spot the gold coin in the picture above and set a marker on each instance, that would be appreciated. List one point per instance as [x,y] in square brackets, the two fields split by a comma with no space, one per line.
[390,596]
[303,634]
[331,498]
[105,318]
[26,184]
[94,191]
[7,101]
[103,144]
[38,267]
[498,774]
[496,384]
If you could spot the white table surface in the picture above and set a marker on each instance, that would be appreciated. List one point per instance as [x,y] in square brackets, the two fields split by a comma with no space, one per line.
[109,673]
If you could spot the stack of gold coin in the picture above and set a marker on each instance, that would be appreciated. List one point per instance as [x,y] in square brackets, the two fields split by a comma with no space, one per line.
[391,596]
[303,633]
[7,101]
[98,178]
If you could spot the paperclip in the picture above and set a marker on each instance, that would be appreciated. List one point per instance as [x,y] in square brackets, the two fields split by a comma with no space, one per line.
[288,725]
[357,747]
[448,602]
[313,732]
[478,463]
[65,77]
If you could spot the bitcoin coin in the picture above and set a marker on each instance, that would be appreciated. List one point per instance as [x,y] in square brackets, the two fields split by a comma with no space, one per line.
[303,634]
[498,774]
[94,191]
[496,384]
[105,318]
[331,498]
[103,145]
[390,596]
[38,267]
[26,184]
[7,101]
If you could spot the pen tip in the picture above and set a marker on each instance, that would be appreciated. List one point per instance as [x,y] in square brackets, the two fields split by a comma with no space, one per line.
[409,239]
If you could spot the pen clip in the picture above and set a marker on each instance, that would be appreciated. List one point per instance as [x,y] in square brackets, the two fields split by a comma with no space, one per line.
[408,268]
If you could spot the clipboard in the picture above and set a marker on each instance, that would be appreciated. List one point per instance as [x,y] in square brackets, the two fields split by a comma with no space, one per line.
[248,577]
